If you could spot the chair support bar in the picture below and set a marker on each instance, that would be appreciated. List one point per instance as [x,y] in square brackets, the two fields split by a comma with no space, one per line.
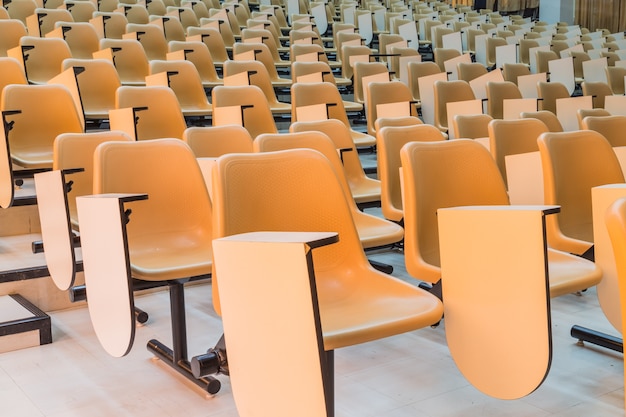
[595,337]
[177,357]
[79,293]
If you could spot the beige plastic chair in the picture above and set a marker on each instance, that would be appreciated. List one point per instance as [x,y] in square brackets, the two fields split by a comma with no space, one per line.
[365,190]
[442,55]
[299,68]
[420,69]
[215,141]
[12,72]
[130,60]
[37,123]
[157,112]
[43,20]
[198,54]
[12,30]
[81,11]
[471,126]
[97,85]
[362,70]
[547,117]
[257,75]
[524,48]
[579,58]
[42,57]
[151,38]
[373,231]
[573,163]
[543,57]
[74,151]
[326,93]
[497,92]
[166,241]
[511,137]
[81,37]
[135,13]
[348,51]
[492,44]
[183,78]
[389,140]
[581,114]
[262,54]
[615,77]
[297,50]
[469,71]
[212,38]
[549,92]
[387,93]
[430,185]
[511,71]
[448,92]
[272,186]
[114,23]
[257,119]
[21,9]
[611,127]
[598,90]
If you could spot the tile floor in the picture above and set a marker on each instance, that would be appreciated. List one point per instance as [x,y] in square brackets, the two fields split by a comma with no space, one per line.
[410,375]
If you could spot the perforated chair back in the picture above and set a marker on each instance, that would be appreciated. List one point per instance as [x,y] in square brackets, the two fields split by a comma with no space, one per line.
[611,127]
[162,116]
[436,175]
[390,139]
[39,122]
[573,163]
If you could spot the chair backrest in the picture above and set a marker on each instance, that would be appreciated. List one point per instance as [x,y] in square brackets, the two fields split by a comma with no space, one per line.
[471,126]
[212,38]
[511,71]
[136,13]
[615,77]
[492,44]
[257,75]
[198,54]
[582,113]
[549,92]
[611,127]
[429,184]
[12,73]
[387,93]
[76,150]
[442,55]
[215,141]
[130,59]
[81,37]
[524,47]
[420,69]
[46,112]
[543,57]
[573,163]
[448,92]
[184,81]
[163,117]
[81,11]
[362,70]
[12,30]
[21,9]
[389,141]
[470,70]
[309,94]
[547,117]
[151,38]
[177,210]
[257,119]
[579,58]
[510,137]
[97,84]
[261,53]
[114,23]
[497,92]
[44,20]
[43,61]
[305,68]
[598,90]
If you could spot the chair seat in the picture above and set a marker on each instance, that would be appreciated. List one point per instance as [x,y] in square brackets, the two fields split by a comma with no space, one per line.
[362,139]
[375,232]
[32,157]
[366,191]
[280,108]
[569,273]
[177,256]
[351,106]
[384,307]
